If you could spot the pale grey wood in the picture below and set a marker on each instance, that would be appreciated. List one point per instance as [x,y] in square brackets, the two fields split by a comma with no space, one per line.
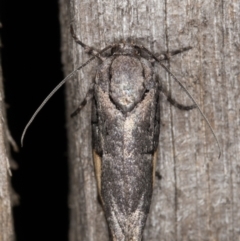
[198,197]
[6,221]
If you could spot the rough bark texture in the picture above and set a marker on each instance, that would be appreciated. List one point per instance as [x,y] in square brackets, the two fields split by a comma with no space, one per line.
[6,222]
[197,196]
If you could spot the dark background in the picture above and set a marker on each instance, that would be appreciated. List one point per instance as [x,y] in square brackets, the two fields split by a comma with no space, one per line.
[31,61]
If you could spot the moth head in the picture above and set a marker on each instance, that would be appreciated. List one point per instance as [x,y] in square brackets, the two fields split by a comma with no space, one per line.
[125,49]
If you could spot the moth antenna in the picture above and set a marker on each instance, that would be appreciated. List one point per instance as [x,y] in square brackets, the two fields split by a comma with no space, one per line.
[189,95]
[195,102]
[56,89]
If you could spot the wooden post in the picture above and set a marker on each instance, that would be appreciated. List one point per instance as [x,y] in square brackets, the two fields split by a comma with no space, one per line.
[6,221]
[197,196]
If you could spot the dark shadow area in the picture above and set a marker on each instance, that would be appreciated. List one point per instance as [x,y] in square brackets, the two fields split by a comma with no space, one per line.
[32,67]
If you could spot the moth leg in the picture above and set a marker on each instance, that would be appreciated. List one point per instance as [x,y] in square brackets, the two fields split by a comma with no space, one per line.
[158,175]
[88,49]
[167,55]
[88,97]
[174,102]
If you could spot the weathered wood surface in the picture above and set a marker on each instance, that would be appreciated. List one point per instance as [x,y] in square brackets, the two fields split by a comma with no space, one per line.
[198,195]
[6,221]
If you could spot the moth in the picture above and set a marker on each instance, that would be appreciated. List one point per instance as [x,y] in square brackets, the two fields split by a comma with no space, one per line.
[126,128]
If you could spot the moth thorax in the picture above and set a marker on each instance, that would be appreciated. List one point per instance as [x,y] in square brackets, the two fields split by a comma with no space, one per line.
[127,82]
